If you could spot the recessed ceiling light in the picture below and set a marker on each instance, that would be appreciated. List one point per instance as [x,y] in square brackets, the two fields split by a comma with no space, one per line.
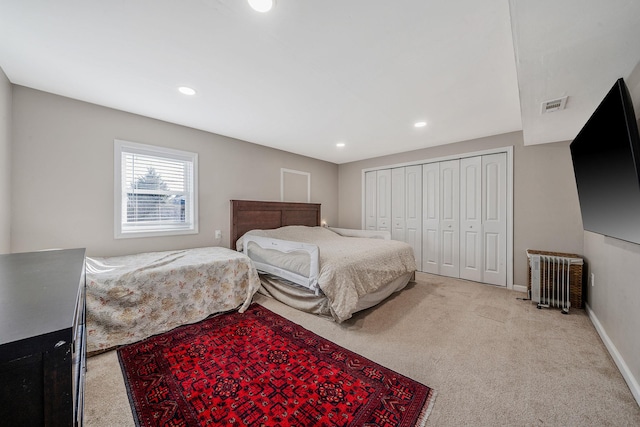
[340,144]
[185,90]
[262,5]
[420,124]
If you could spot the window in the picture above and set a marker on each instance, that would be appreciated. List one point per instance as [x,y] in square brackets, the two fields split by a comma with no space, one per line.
[155,190]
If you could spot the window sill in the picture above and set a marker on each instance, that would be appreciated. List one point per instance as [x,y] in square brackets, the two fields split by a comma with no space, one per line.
[154,233]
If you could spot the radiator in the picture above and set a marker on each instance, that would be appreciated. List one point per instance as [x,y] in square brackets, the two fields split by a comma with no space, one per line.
[550,280]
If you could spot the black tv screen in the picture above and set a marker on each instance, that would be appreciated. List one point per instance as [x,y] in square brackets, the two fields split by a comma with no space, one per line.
[606,161]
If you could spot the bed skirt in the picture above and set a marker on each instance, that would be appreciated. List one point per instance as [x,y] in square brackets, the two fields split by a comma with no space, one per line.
[304,300]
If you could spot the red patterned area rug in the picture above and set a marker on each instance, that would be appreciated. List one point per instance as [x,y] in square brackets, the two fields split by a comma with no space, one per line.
[258,368]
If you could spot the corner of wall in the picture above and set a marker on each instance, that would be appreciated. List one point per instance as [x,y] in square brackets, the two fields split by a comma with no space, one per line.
[5,161]
[633,84]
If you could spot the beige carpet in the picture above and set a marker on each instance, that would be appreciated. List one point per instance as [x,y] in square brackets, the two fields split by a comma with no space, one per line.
[494,360]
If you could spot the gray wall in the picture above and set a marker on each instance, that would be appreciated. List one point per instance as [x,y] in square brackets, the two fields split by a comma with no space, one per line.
[5,163]
[62,176]
[614,298]
[546,211]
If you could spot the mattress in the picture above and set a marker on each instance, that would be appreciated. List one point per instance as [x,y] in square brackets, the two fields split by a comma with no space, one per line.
[350,268]
[132,297]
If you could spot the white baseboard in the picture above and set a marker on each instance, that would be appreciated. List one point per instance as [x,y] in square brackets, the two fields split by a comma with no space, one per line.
[632,382]
[520,288]
[419,275]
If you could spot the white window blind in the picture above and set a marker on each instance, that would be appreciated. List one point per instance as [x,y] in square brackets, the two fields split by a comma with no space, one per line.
[155,190]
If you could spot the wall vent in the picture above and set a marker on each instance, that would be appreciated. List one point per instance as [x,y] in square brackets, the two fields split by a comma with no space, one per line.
[554,105]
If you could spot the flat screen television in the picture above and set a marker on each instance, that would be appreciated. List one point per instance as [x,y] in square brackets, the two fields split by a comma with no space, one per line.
[606,164]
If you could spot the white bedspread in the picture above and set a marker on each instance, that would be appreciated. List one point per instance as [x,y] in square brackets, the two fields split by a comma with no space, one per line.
[350,267]
[133,297]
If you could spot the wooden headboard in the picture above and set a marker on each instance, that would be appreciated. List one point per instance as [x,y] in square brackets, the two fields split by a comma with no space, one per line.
[250,215]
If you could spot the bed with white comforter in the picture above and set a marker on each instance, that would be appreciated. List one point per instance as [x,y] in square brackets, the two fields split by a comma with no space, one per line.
[354,272]
[132,297]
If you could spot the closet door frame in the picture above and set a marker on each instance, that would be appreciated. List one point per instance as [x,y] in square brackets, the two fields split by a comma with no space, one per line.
[509,151]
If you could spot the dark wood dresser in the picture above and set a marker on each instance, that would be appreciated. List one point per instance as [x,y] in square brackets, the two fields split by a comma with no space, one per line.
[42,338]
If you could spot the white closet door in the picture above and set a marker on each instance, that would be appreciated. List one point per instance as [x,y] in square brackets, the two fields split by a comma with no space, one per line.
[431,218]
[494,184]
[413,211]
[383,199]
[449,218]
[471,255]
[370,204]
[398,204]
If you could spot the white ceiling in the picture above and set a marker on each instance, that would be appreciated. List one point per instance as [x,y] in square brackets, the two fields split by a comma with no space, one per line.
[310,74]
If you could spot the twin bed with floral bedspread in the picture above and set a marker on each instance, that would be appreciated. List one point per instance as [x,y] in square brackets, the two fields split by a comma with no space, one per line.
[133,297]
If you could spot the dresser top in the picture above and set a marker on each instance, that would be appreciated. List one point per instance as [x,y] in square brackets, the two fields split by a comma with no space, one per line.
[38,292]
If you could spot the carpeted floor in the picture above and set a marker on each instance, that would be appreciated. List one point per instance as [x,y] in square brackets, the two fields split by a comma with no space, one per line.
[494,360]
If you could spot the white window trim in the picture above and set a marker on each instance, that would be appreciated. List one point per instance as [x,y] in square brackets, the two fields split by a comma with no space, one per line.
[155,230]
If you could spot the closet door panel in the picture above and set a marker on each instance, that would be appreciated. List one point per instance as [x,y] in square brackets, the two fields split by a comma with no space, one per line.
[431,218]
[471,255]
[370,204]
[449,253]
[494,184]
[383,199]
[449,218]
[398,204]
[492,264]
[413,211]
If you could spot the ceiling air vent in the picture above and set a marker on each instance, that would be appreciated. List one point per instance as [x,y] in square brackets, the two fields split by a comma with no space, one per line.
[554,105]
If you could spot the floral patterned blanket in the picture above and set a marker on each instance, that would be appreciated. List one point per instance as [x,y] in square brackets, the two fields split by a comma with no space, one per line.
[133,297]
